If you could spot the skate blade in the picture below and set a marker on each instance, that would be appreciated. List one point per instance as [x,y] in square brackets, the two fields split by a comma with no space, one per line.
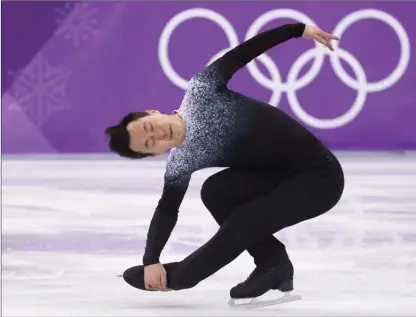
[254,302]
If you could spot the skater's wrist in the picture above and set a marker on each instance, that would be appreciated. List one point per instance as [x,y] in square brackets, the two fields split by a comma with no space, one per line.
[149,261]
[150,264]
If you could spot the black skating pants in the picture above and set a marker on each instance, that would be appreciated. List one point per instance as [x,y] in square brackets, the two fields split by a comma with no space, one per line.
[251,205]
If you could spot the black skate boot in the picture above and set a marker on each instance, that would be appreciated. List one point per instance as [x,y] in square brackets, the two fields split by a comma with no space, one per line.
[134,276]
[262,280]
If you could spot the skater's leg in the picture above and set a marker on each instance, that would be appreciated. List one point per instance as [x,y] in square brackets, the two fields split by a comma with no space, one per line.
[308,194]
[224,191]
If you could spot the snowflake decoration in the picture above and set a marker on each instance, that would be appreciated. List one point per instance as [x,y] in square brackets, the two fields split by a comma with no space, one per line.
[63,9]
[40,90]
[77,25]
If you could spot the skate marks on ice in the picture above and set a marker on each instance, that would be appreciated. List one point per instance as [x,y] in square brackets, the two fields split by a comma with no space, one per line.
[27,271]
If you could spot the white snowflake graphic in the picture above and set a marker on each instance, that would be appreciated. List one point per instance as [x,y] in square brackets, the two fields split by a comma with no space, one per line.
[40,90]
[77,25]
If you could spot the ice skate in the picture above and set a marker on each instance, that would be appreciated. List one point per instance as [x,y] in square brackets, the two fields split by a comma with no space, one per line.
[278,279]
[134,276]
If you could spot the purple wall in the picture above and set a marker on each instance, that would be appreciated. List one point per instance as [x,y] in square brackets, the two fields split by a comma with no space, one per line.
[106,59]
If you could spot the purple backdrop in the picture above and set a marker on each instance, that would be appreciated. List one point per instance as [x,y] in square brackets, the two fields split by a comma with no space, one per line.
[106,59]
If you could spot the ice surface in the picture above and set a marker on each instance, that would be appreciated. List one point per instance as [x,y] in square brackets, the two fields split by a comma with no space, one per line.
[70,224]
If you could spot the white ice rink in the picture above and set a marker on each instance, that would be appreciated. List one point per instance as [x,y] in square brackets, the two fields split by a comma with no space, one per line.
[70,224]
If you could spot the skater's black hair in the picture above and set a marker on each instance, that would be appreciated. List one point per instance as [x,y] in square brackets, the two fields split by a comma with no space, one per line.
[119,137]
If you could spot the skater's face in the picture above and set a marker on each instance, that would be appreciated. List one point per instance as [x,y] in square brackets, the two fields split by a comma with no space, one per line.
[156,133]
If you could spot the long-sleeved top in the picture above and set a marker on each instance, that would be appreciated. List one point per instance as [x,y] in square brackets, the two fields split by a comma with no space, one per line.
[226,129]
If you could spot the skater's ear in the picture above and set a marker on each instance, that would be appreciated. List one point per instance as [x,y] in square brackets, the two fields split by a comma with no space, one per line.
[119,137]
[153,112]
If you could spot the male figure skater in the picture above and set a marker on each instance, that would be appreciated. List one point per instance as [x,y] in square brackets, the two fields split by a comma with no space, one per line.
[278,174]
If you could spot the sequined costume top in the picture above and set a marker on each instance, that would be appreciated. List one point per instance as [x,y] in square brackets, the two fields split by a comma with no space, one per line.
[226,129]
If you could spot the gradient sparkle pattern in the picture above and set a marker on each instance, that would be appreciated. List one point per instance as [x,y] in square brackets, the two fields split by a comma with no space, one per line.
[210,114]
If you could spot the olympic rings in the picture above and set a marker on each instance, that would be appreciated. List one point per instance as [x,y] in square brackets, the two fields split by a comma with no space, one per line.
[318,53]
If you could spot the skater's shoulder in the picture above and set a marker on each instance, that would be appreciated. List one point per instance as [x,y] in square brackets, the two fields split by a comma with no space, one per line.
[184,161]
[206,81]
[179,159]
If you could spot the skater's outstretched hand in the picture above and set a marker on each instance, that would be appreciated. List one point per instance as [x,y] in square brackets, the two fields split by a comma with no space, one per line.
[313,32]
[155,277]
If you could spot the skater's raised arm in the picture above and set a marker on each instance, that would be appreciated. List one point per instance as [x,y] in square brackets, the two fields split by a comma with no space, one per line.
[224,68]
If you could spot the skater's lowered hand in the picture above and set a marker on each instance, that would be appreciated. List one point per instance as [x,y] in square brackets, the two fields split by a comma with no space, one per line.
[155,277]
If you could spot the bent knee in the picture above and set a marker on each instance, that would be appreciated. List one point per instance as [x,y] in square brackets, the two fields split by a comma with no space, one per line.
[209,192]
[334,189]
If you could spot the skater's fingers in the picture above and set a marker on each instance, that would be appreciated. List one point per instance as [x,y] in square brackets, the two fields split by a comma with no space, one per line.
[329,36]
[156,283]
[163,280]
[324,42]
[150,287]
[147,285]
[320,40]
[153,284]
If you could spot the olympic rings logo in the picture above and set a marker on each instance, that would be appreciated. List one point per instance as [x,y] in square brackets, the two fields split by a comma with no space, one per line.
[318,53]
